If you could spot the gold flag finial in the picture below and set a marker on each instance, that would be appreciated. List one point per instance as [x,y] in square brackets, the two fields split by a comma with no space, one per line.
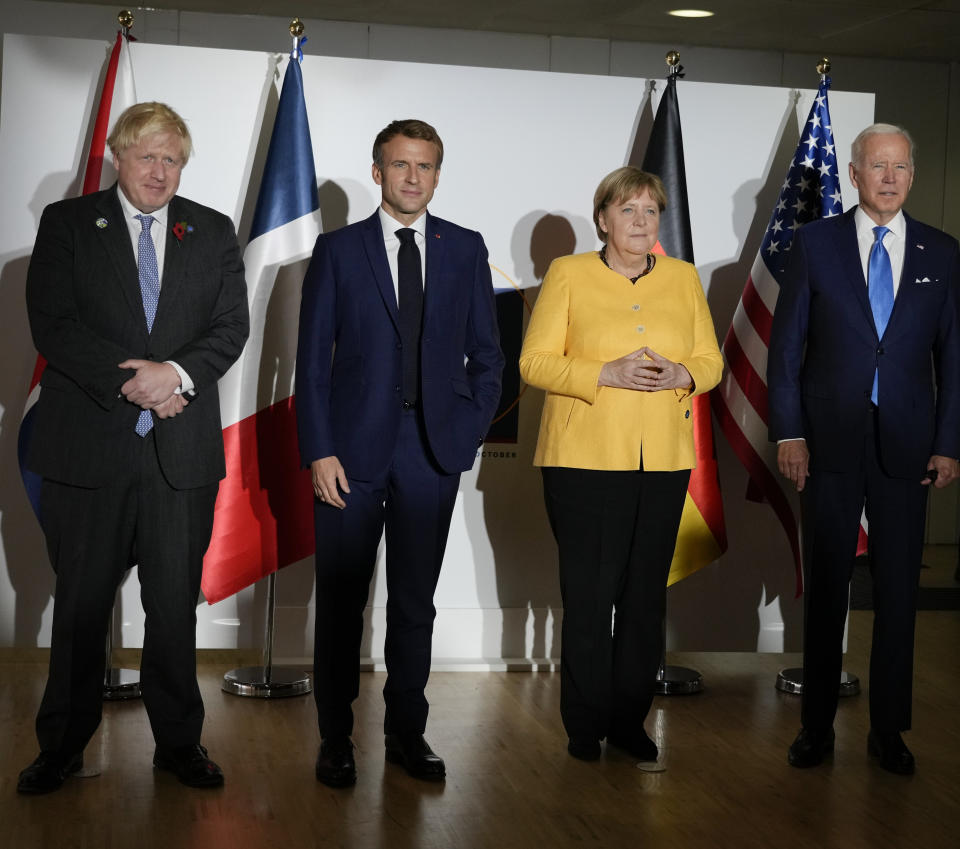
[296,27]
[125,18]
[823,66]
[672,58]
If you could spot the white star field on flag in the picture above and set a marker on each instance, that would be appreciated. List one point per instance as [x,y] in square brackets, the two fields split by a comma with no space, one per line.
[811,189]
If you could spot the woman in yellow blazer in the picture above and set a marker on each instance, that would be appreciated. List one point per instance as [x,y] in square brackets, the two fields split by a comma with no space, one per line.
[621,339]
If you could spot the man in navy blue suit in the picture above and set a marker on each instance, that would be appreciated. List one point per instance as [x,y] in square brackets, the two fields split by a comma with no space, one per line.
[864,387]
[398,378]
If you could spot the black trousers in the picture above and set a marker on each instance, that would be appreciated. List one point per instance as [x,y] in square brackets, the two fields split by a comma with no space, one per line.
[413,501]
[616,532]
[896,512]
[93,536]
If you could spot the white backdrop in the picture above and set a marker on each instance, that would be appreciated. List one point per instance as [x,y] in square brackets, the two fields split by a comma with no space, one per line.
[524,152]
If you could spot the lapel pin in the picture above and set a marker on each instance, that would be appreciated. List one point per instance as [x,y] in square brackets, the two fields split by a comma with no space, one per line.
[101,223]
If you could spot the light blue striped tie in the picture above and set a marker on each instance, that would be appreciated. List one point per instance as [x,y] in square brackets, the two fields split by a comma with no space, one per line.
[880,290]
[150,292]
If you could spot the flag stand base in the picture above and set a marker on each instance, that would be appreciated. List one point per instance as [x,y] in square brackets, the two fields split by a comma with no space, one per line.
[791,681]
[267,681]
[678,681]
[675,680]
[119,685]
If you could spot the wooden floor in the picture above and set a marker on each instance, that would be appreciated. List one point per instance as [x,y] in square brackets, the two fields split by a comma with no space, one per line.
[510,781]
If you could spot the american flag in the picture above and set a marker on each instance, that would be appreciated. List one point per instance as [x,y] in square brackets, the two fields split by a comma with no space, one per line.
[811,190]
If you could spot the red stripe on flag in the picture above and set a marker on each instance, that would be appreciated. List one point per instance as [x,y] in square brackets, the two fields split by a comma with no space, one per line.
[746,375]
[264,514]
[763,479]
[704,487]
[91,179]
[38,368]
[760,317]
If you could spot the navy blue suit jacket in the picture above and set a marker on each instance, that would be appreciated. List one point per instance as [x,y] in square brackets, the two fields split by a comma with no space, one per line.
[349,353]
[824,349]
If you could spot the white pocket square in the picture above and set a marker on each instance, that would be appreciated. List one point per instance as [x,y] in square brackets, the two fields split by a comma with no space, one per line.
[924,280]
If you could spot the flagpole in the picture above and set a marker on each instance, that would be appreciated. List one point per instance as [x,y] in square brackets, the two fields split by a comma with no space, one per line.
[673,680]
[790,680]
[267,681]
[119,684]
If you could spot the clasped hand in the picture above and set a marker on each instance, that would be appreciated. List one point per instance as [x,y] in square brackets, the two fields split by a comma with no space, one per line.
[152,387]
[646,371]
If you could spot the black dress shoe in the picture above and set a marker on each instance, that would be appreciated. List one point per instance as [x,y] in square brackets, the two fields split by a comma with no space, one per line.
[415,755]
[48,772]
[335,764]
[893,752]
[190,764]
[810,747]
[584,748]
[639,745]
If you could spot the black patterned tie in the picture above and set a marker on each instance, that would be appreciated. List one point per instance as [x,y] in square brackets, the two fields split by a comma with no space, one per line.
[410,303]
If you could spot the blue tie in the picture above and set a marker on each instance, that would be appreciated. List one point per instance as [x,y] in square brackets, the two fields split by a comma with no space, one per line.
[880,290]
[150,292]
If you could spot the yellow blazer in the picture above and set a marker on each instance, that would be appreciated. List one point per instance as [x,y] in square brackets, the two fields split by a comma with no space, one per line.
[588,315]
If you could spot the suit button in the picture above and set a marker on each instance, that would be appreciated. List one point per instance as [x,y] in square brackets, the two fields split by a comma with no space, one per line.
[396,388]
[640,328]
[880,350]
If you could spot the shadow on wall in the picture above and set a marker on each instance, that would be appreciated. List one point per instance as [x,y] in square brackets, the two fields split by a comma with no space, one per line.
[28,566]
[523,550]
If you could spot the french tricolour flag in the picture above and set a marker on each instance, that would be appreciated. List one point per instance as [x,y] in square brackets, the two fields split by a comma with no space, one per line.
[264,513]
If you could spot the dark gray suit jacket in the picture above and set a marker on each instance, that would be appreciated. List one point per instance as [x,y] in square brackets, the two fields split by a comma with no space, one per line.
[86,316]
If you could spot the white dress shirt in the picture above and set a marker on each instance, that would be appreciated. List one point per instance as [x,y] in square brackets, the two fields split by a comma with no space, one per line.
[895,242]
[391,242]
[158,233]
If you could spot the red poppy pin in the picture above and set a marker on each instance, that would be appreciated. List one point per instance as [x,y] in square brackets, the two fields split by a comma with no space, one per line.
[180,229]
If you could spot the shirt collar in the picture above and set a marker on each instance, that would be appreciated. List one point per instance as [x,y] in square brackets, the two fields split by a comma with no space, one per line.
[865,224]
[390,224]
[130,211]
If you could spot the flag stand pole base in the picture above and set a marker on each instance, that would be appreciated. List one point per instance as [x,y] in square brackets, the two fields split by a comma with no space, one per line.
[678,681]
[675,680]
[119,685]
[267,681]
[791,681]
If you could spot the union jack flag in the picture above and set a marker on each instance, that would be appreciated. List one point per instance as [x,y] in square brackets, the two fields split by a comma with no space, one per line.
[811,190]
